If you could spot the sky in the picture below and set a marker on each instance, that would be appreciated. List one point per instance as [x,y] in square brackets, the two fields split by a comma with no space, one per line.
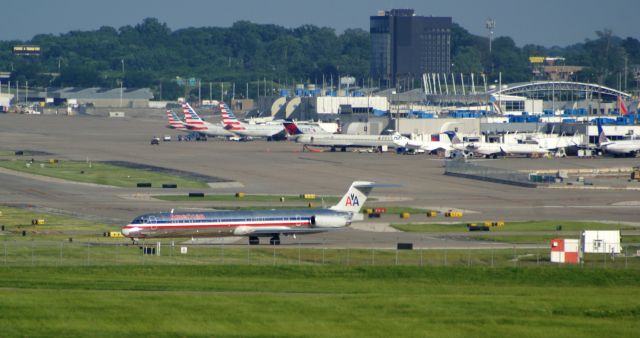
[542,22]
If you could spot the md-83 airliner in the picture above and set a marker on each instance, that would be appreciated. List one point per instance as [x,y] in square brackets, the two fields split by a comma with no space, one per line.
[252,224]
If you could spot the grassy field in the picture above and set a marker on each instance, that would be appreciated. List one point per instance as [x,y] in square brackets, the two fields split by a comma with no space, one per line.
[100,173]
[6,153]
[16,220]
[516,226]
[221,301]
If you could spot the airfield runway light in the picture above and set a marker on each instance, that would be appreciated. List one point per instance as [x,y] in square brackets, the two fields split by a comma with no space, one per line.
[432,213]
[240,195]
[453,214]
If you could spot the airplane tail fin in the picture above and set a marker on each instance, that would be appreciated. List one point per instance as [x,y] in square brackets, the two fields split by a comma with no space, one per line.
[602,138]
[174,121]
[453,137]
[622,107]
[355,198]
[292,128]
[229,119]
[191,118]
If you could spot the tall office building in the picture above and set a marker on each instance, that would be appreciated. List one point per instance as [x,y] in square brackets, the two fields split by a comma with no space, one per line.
[404,46]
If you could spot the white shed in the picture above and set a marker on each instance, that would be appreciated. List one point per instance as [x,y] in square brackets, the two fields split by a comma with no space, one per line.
[599,241]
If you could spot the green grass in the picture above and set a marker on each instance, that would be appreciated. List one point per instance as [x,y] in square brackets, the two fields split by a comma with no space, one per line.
[197,301]
[6,153]
[100,173]
[56,226]
[543,238]
[515,226]
[248,198]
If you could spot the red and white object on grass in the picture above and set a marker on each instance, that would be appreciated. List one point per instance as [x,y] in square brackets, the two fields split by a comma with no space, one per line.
[565,251]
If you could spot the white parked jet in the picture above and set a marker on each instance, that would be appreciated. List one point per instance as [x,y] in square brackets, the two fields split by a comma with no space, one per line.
[497,149]
[443,142]
[344,141]
[620,147]
[266,130]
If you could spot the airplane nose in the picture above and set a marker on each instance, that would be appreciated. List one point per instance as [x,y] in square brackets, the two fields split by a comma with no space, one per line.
[125,232]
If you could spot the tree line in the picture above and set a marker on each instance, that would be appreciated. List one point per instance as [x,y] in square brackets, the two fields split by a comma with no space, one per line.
[150,54]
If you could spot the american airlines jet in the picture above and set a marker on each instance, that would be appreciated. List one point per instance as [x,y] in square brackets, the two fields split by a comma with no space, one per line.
[174,121]
[231,123]
[196,123]
[253,224]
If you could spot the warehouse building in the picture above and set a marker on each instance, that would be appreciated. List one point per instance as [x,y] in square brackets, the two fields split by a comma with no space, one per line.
[102,97]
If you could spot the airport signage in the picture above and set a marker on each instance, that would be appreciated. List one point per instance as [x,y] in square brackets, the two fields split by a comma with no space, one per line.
[26,50]
[536,59]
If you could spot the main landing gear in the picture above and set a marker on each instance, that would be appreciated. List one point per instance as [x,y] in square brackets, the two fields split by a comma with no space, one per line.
[275,240]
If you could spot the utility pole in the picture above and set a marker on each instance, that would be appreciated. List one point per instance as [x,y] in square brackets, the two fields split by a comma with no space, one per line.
[626,59]
[121,82]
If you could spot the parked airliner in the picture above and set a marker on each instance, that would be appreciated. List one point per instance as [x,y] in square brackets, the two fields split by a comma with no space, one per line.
[232,124]
[253,224]
[619,147]
[196,123]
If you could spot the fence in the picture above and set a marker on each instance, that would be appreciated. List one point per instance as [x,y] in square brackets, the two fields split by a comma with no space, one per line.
[466,169]
[47,253]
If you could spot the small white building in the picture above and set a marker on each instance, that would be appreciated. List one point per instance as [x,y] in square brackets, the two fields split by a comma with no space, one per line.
[516,105]
[599,241]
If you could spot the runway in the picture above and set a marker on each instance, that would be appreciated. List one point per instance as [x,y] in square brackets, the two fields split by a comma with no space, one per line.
[282,168]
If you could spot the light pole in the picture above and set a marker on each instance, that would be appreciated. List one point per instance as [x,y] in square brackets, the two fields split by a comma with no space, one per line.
[121,82]
[491,25]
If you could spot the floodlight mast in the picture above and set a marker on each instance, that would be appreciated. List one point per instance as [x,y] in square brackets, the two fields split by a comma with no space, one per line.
[491,25]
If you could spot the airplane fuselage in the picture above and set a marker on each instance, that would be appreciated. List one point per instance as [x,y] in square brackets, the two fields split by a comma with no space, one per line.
[258,130]
[346,140]
[621,147]
[235,223]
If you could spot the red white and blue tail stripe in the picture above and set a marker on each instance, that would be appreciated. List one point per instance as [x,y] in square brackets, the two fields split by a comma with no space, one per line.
[174,121]
[191,118]
[229,119]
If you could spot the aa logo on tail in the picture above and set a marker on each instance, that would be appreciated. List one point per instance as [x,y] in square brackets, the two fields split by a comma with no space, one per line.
[352,200]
